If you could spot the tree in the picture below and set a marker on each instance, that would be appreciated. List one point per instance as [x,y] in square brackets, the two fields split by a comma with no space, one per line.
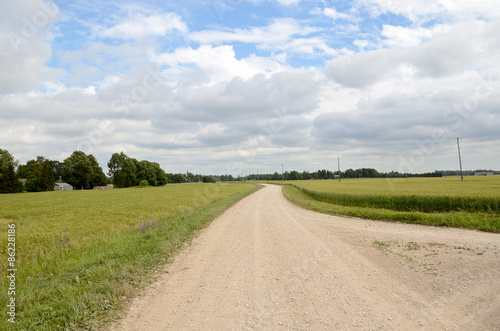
[97,176]
[38,174]
[161,176]
[122,169]
[77,170]
[57,169]
[208,179]
[350,173]
[9,182]
[146,171]
[6,158]
[176,178]
[294,175]
[22,171]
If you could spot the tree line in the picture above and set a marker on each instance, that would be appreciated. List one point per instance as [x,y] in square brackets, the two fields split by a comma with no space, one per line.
[327,174]
[80,170]
[83,172]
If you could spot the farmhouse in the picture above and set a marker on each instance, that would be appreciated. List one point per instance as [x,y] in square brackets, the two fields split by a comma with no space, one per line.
[63,187]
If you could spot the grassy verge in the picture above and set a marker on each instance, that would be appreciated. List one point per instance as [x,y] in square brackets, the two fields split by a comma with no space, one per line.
[480,221]
[84,286]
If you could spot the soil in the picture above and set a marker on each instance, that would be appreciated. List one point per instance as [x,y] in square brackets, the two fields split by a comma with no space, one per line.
[266,264]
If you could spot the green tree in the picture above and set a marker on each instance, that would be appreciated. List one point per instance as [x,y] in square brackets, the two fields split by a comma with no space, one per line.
[176,178]
[123,170]
[57,169]
[350,173]
[146,171]
[77,170]
[208,179]
[161,176]
[39,175]
[22,171]
[97,176]
[9,182]
[34,176]
[6,158]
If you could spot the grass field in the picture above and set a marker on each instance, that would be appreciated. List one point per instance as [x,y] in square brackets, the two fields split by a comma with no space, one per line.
[81,254]
[474,203]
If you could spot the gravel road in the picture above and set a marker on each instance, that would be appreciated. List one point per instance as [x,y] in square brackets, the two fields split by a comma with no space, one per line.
[266,264]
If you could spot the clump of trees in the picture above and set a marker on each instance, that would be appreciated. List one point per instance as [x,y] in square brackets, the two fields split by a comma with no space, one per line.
[39,174]
[126,171]
[80,170]
[83,171]
[9,181]
[192,178]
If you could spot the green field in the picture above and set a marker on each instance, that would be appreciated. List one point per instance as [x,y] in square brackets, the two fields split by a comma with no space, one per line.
[81,254]
[474,203]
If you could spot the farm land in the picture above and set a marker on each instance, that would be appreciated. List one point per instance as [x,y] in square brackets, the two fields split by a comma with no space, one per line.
[474,203]
[81,254]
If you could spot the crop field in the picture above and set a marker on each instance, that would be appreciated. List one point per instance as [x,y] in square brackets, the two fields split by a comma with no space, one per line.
[474,203]
[81,254]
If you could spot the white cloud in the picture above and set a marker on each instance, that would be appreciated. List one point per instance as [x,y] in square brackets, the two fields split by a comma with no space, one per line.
[218,63]
[451,50]
[331,13]
[25,43]
[141,25]
[282,34]
[398,36]
[213,103]
[278,31]
[420,11]
[288,2]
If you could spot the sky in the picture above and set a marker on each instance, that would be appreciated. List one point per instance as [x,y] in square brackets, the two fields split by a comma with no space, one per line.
[244,86]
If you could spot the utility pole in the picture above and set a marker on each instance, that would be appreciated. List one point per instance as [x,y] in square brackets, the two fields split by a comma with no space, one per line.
[282,176]
[460,160]
[339,168]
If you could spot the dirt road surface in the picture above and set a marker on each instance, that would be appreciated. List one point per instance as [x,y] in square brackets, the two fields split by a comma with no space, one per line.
[266,264]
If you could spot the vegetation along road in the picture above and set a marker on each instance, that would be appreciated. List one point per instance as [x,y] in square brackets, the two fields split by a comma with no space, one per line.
[268,264]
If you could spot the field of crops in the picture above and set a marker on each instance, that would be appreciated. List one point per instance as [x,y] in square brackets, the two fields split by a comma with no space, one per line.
[474,203]
[78,253]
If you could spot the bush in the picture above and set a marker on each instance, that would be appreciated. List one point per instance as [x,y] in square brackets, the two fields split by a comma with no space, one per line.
[143,183]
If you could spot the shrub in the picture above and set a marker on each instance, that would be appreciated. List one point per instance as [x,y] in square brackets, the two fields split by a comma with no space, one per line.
[143,183]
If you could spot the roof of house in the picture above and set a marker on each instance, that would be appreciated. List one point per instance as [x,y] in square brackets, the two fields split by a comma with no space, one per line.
[63,184]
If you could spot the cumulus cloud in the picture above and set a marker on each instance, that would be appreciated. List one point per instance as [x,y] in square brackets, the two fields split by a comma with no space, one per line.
[331,13]
[217,63]
[283,34]
[141,25]
[25,43]
[166,86]
[423,10]
[450,51]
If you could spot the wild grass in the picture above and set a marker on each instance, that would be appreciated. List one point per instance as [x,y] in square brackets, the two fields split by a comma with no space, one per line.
[485,221]
[82,254]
